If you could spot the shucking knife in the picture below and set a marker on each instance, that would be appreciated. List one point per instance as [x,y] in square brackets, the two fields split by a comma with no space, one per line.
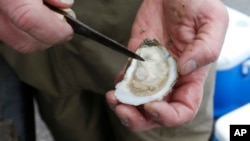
[84,30]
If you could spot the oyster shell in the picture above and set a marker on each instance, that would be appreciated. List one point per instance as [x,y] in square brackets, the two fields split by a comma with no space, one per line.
[149,80]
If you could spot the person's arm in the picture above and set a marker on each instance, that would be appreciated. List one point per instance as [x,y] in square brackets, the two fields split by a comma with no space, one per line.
[193,31]
[28,25]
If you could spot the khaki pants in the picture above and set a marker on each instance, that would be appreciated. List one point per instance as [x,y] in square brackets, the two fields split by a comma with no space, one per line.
[71,80]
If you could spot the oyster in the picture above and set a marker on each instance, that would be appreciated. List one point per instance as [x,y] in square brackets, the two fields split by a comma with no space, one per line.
[149,80]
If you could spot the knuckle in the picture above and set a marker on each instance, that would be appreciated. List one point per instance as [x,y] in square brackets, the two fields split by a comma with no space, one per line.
[172,123]
[212,54]
[23,17]
[208,54]
[24,48]
[28,46]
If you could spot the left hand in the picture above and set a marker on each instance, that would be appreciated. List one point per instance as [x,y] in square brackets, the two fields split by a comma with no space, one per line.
[193,31]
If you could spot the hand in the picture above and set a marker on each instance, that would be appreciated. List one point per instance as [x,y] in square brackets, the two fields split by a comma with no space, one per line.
[28,25]
[193,31]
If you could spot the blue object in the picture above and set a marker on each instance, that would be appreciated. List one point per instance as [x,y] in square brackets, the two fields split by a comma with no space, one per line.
[232,88]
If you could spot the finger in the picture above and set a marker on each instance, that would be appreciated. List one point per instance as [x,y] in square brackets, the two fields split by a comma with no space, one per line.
[207,44]
[121,74]
[129,115]
[16,38]
[69,11]
[198,54]
[111,99]
[132,118]
[60,3]
[169,115]
[38,22]
[182,104]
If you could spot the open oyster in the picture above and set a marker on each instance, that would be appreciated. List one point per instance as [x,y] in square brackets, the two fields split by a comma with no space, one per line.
[149,80]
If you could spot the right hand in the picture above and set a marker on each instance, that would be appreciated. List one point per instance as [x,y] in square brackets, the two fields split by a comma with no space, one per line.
[192,30]
[29,26]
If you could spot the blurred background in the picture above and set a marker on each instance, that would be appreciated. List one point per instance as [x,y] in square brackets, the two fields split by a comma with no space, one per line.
[232,91]
[233,63]
[240,5]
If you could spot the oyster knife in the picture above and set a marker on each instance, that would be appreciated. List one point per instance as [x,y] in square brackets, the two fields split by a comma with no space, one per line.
[84,30]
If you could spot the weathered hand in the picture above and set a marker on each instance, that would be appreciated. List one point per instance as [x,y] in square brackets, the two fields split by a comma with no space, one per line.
[29,26]
[193,31]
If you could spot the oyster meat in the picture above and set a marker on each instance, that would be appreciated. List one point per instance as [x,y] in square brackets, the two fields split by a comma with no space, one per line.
[149,80]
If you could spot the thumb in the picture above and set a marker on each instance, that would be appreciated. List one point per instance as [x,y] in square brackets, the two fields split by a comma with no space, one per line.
[206,46]
[198,54]
[60,3]
[195,56]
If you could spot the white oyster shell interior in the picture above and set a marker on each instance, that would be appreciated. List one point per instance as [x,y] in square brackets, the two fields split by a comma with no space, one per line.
[148,80]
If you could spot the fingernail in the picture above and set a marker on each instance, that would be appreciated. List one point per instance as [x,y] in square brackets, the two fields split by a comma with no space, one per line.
[67,1]
[112,106]
[188,67]
[154,116]
[124,121]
